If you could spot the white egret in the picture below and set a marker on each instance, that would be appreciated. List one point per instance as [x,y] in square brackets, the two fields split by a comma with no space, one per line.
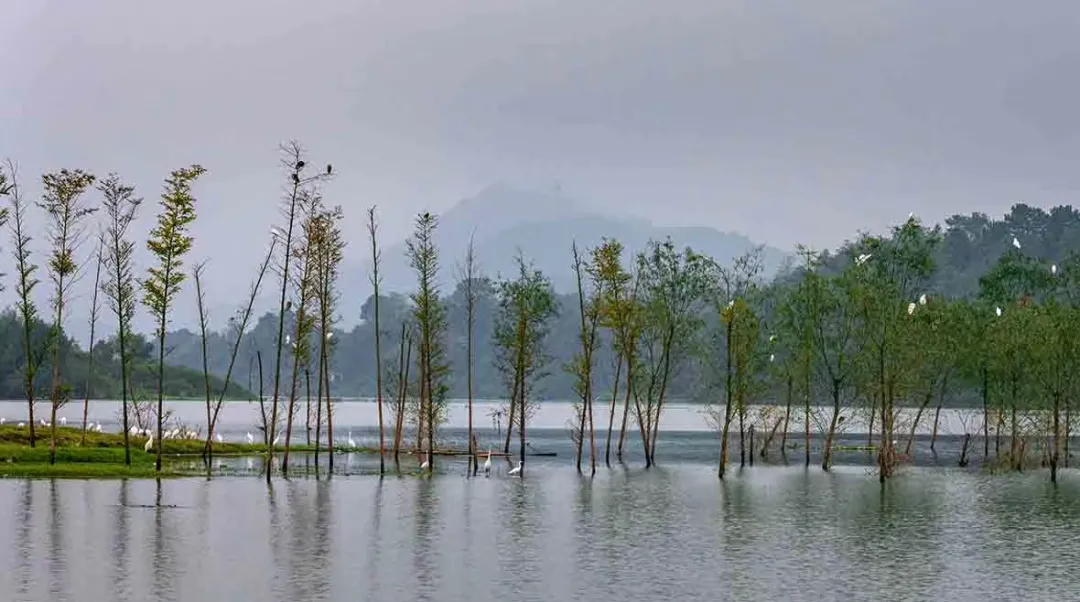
[910,308]
[861,259]
[424,465]
[98,427]
[922,299]
[731,303]
[288,340]
[21,425]
[3,420]
[516,471]
[276,439]
[352,442]
[772,357]
[1016,243]
[219,438]
[1053,269]
[63,421]
[772,337]
[249,437]
[329,335]
[149,443]
[487,464]
[997,310]
[911,215]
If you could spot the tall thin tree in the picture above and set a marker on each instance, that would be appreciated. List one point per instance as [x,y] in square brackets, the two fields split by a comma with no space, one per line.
[66,214]
[93,341]
[121,208]
[376,280]
[24,287]
[169,242]
[469,273]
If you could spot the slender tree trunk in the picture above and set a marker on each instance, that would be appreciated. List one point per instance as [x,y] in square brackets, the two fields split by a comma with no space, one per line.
[873,414]
[1068,430]
[122,336]
[318,407]
[329,416]
[626,403]
[826,463]
[592,437]
[513,412]
[742,430]
[806,414]
[986,413]
[402,397]
[915,423]
[662,398]
[160,443]
[307,395]
[1057,439]
[611,414]
[729,399]
[937,411]
[787,414]
[90,349]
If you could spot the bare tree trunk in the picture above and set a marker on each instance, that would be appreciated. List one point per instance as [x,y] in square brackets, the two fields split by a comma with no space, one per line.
[728,400]
[986,412]
[318,407]
[93,341]
[307,395]
[611,414]
[826,463]
[915,423]
[787,414]
[626,404]
[1057,439]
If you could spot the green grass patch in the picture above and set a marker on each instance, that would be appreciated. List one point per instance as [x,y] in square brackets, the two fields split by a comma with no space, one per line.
[102,454]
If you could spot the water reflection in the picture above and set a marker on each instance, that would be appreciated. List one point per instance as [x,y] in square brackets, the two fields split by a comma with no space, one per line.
[633,535]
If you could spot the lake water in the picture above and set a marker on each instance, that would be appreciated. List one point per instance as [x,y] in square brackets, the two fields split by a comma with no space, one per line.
[675,533]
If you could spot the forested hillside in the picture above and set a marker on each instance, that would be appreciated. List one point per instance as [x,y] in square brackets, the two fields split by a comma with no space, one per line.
[964,250]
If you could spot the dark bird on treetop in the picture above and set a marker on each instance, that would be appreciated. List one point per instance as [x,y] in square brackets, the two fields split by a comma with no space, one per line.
[300,165]
[329,168]
[295,178]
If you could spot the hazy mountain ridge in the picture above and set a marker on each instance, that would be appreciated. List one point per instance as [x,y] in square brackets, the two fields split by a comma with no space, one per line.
[503,220]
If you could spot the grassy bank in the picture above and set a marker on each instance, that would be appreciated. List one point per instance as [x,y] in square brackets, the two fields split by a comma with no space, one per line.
[102,455]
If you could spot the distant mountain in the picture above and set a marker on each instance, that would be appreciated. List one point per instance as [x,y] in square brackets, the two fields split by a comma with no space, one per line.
[543,225]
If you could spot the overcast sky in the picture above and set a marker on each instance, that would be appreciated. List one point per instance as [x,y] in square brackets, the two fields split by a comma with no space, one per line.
[787,121]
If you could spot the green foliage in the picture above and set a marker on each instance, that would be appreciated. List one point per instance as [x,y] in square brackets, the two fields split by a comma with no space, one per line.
[526,306]
[169,241]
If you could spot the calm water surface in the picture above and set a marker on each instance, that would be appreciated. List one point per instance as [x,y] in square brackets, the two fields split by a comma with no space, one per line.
[675,533]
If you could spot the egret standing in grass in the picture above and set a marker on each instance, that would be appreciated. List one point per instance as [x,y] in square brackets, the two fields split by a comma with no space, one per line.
[149,443]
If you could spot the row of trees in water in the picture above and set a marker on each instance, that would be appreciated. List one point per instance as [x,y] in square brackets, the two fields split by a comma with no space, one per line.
[857,332]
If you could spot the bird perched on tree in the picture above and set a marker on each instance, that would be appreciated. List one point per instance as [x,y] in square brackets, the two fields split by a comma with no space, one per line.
[300,164]
[296,178]
[329,168]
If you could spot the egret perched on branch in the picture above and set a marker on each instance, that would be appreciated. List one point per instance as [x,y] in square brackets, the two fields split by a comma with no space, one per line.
[911,215]
[861,259]
[516,471]
[1016,243]
[922,299]
[772,357]
[772,337]
[910,308]
[997,310]
[1053,269]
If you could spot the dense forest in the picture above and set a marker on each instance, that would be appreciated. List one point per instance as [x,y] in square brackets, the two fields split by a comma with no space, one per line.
[104,383]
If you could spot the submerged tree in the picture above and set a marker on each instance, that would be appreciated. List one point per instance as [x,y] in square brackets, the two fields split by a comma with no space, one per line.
[430,316]
[582,364]
[527,305]
[620,315]
[304,283]
[169,242]
[66,214]
[24,287]
[328,251]
[292,210]
[469,274]
[674,288]
[376,280]
[121,207]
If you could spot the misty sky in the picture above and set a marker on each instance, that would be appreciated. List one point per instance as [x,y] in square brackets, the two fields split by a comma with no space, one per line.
[787,121]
